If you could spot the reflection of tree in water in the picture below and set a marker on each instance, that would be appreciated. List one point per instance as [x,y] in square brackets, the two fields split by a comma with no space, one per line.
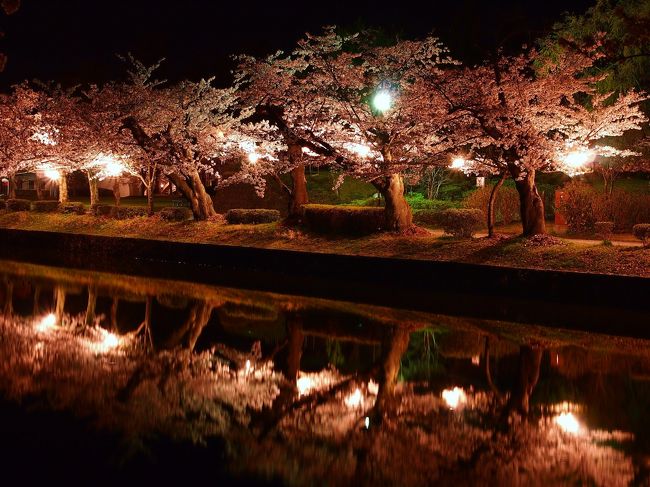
[364,427]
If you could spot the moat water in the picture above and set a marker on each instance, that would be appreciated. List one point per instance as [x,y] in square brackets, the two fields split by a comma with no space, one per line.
[107,378]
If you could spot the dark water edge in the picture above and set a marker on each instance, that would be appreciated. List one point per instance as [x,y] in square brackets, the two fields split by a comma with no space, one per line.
[580,301]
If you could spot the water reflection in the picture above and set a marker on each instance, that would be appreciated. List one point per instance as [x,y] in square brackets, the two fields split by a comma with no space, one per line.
[310,391]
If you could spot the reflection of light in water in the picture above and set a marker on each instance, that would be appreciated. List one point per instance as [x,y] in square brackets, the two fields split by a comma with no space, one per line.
[107,342]
[248,366]
[367,422]
[304,385]
[476,359]
[47,323]
[454,397]
[568,423]
[373,387]
[354,399]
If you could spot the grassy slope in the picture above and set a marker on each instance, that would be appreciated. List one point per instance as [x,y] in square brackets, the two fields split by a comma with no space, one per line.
[425,245]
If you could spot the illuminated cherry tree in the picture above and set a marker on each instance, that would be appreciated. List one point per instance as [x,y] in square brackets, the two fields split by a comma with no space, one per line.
[533,116]
[371,111]
[26,139]
[189,130]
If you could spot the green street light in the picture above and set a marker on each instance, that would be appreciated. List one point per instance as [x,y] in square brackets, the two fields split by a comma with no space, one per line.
[382,101]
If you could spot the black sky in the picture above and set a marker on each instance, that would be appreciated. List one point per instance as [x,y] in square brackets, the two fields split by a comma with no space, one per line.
[75,41]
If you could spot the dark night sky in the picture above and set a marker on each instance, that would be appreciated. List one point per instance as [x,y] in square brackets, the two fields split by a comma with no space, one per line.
[74,41]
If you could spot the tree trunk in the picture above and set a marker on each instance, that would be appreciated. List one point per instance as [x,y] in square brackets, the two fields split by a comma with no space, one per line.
[193,189]
[36,301]
[298,193]
[296,339]
[116,191]
[299,196]
[530,360]
[490,208]
[63,188]
[392,349]
[397,213]
[90,308]
[114,306]
[94,191]
[59,300]
[150,200]
[12,186]
[531,205]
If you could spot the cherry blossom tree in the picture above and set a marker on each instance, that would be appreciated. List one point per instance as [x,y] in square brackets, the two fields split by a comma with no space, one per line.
[538,114]
[189,130]
[387,110]
[25,138]
[273,86]
[370,110]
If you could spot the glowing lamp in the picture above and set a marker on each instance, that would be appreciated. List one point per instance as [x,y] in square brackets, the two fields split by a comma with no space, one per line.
[454,397]
[578,159]
[458,163]
[52,174]
[382,101]
[568,423]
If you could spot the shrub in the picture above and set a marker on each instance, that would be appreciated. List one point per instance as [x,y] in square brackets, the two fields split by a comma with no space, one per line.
[45,206]
[625,209]
[101,210]
[427,217]
[642,232]
[176,214]
[604,230]
[124,212]
[506,206]
[417,201]
[370,201]
[355,220]
[75,208]
[18,205]
[3,205]
[461,222]
[582,206]
[579,207]
[254,217]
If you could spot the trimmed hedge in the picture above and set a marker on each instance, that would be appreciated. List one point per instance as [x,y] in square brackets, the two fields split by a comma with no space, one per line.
[176,214]
[124,212]
[74,208]
[642,232]
[254,216]
[355,220]
[427,217]
[461,222]
[18,205]
[101,210]
[604,230]
[45,206]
